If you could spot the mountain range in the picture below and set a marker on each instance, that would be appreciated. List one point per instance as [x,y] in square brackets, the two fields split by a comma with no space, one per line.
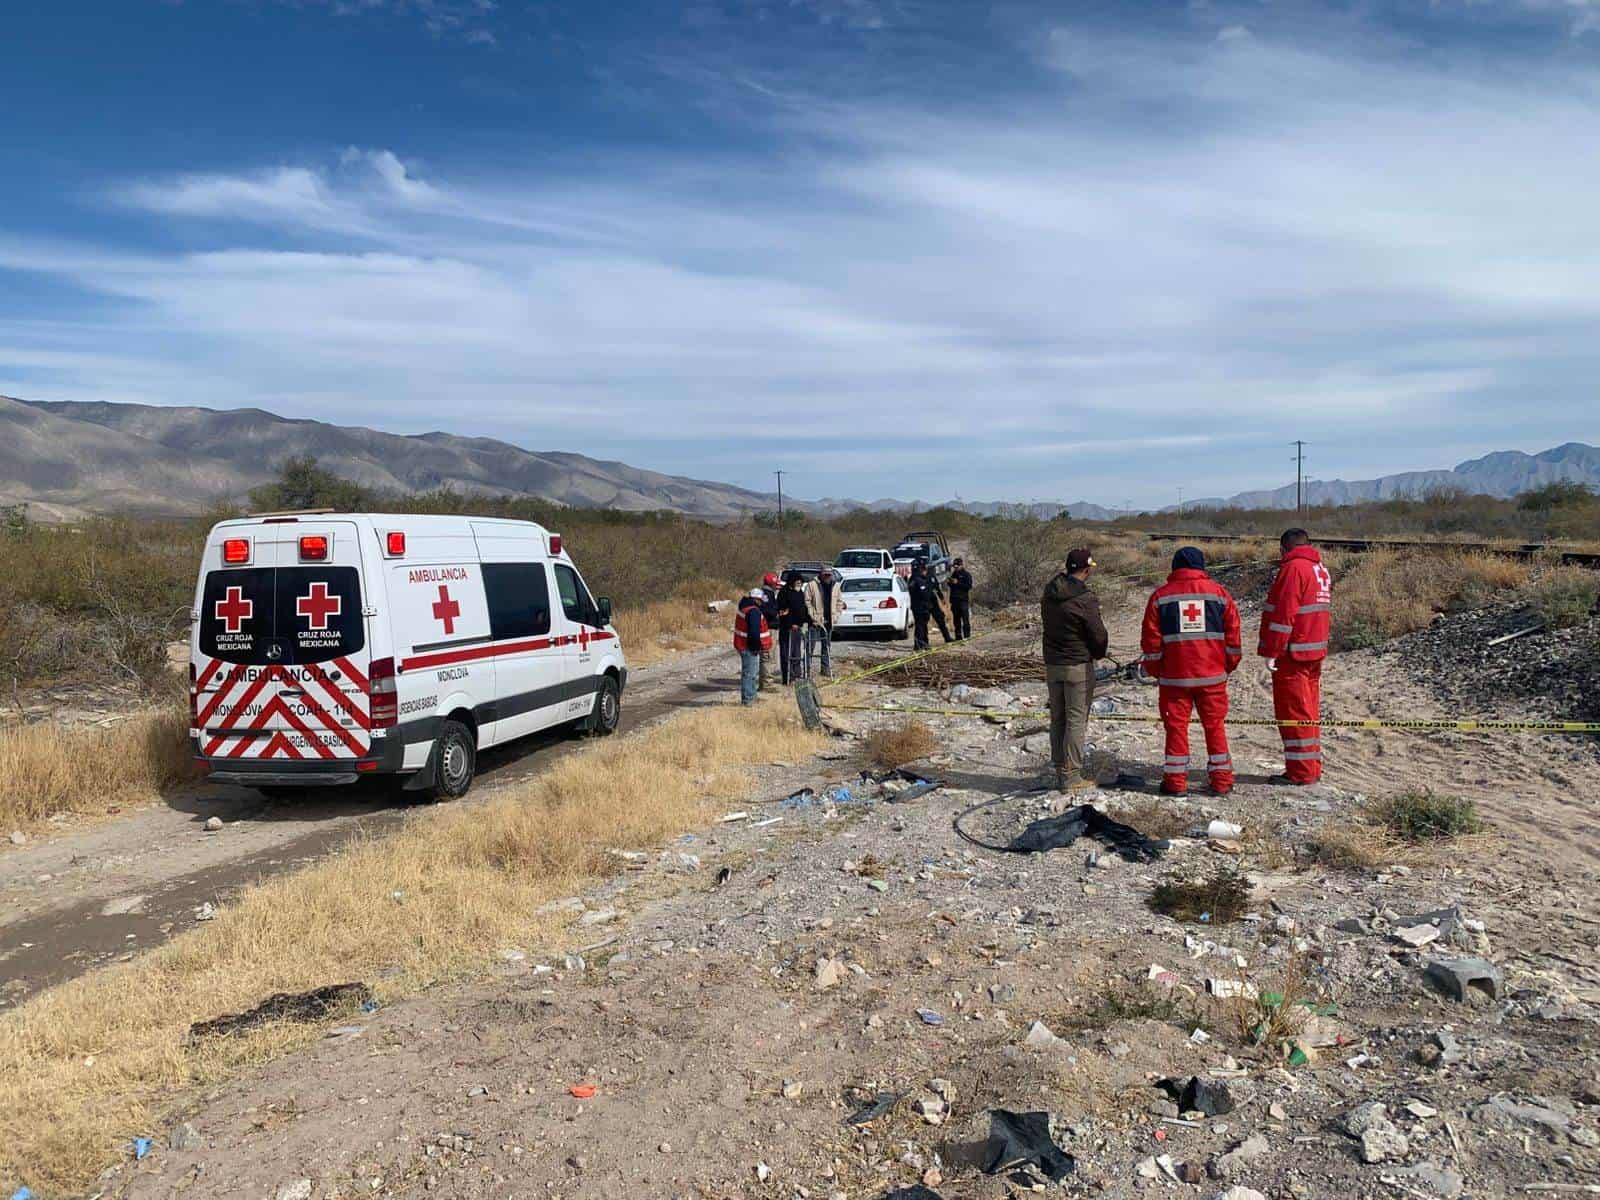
[69,458]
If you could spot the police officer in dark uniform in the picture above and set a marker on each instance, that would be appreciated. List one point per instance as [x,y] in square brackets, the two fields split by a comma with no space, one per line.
[961,600]
[925,603]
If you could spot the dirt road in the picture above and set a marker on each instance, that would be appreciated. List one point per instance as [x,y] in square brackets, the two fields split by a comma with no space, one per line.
[120,887]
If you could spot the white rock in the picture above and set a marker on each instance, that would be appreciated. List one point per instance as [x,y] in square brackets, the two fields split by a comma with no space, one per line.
[1416,936]
[1039,1034]
[213,824]
[295,1189]
[830,973]
[1239,1193]
[18,838]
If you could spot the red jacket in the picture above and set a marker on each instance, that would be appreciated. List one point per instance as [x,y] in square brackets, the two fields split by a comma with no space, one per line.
[1295,618]
[1191,631]
[751,625]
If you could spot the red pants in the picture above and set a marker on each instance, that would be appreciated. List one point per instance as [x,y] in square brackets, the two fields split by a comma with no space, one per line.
[1297,696]
[1176,704]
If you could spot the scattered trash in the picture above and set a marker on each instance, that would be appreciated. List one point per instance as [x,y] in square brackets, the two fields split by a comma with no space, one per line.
[1104,706]
[729,818]
[723,875]
[764,824]
[1231,989]
[1198,1094]
[1460,977]
[285,1006]
[370,1006]
[141,1147]
[582,1091]
[929,1017]
[879,1106]
[1224,831]
[1199,1037]
[900,785]
[22,1193]
[205,912]
[804,798]
[1023,1139]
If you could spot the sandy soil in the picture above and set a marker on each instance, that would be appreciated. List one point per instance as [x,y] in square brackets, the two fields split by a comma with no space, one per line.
[723,1067]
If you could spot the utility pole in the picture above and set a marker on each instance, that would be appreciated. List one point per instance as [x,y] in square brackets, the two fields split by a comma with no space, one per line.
[779,474]
[1180,502]
[1299,477]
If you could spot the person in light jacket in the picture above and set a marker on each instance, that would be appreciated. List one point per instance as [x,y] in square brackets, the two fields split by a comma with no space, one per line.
[825,600]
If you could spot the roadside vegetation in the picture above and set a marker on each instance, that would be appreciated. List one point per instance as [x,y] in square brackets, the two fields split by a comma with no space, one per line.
[1385,593]
[95,1061]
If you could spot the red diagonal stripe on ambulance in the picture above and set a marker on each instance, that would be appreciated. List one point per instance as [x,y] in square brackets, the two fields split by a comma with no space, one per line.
[332,724]
[279,742]
[205,676]
[221,694]
[244,702]
[338,696]
[304,729]
[350,669]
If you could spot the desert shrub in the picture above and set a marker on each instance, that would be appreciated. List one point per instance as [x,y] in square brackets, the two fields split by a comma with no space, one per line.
[1423,815]
[1565,596]
[1220,898]
[899,744]
[1017,549]
[1121,1000]
[1564,493]
[1388,593]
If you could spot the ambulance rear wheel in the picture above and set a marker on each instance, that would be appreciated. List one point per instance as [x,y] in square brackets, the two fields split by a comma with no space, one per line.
[455,761]
[607,714]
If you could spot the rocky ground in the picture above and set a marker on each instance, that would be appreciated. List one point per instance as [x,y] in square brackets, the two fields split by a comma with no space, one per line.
[1553,672]
[730,1008]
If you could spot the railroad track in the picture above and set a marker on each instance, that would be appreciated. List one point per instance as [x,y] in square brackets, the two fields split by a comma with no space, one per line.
[1526,550]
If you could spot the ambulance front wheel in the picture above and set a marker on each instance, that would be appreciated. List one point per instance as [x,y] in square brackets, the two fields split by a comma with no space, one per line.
[455,761]
[607,714]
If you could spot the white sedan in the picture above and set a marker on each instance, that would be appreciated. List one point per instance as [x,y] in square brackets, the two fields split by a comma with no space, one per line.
[878,603]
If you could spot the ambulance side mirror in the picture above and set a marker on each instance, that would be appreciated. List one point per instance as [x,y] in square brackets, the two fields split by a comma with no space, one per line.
[602,608]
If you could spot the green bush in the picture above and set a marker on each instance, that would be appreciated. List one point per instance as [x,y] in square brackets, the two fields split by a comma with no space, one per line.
[1565,596]
[1425,816]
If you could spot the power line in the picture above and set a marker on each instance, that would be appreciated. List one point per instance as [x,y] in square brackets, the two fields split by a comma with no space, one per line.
[779,474]
[1299,477]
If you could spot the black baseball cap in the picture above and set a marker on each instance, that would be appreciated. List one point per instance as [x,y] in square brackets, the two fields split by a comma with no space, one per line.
[1078,559]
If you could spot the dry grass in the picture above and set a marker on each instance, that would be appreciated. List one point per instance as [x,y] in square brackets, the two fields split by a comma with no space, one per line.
[658,631]
[900,744]
[1388,593]
[1410,829]
[432,902]
[51,768]
[1284,1001]
[1159,819]
[1219,899]
[1565,596]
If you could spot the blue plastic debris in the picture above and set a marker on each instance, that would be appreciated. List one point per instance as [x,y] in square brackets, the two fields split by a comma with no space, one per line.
[840,795]
[1205,918]
[141,1146]
[22,1193]
[370,1006]
[929,1017]
[801,799]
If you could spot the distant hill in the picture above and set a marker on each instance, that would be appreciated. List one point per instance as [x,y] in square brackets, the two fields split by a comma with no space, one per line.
[68,458]
[1504,473]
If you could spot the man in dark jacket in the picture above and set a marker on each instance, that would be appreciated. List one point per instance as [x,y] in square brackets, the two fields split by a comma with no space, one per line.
[793,617]
[924,590]
[1074,636]
[961,599]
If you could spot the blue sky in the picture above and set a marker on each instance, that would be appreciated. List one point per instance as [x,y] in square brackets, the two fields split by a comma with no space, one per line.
[896,247]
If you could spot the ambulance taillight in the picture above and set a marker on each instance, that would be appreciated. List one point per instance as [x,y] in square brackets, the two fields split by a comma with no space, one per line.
[555,545]
[394,544]
[314,548]
[236,551]
[385,698]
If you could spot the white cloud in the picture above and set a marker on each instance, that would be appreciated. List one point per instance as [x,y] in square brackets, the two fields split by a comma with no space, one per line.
[1347,247]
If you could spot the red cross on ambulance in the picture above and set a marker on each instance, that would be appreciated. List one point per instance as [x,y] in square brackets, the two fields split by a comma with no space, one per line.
[446,610]
[317,606]
[234,609]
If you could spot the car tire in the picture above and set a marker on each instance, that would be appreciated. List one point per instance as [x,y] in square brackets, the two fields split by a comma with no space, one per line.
[455,761]
[903,632]
[607,714]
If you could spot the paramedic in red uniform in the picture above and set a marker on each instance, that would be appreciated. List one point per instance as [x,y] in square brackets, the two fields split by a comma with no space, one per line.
[1191,646]
[1294,641]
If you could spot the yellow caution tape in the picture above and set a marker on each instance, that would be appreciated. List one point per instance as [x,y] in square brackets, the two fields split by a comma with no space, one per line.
[1421,723]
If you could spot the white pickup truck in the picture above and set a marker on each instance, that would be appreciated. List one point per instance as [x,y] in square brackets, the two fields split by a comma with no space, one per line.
[863,560]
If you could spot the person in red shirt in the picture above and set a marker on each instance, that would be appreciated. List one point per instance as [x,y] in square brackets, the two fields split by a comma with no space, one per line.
[1294,640]
[1191,645]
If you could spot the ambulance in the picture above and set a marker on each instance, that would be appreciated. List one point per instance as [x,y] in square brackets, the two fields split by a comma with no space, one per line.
[326,648]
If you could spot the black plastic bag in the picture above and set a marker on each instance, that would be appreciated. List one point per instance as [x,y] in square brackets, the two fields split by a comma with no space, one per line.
[1051,833]
[1023,1139]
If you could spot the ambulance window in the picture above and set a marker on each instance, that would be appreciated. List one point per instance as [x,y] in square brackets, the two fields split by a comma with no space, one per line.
[519,599]
[318,613]
[236,619]
[575,600]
